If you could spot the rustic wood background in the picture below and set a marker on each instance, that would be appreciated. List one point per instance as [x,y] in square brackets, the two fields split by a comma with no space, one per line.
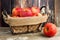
[57,11]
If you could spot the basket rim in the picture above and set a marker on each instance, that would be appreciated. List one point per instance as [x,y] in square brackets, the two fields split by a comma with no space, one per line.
[26,20]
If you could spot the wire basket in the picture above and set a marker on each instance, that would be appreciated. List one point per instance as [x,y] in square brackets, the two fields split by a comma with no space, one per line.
[25,24]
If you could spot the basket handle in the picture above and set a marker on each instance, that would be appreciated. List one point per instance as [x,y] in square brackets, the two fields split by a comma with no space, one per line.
[4,13]
[5,16]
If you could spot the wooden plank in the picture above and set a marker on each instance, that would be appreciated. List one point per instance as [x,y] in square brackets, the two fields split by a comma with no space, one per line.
[57,11]
[0,13]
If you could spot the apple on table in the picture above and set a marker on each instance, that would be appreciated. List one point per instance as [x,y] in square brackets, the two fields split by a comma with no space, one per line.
[50,29]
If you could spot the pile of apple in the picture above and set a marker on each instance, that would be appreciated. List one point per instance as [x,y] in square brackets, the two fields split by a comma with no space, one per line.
[25,12]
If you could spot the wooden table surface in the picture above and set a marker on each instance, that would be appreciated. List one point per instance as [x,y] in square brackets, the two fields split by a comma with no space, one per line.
[5,34]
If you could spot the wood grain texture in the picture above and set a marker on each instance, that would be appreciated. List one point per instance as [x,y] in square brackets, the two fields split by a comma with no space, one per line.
[57,12]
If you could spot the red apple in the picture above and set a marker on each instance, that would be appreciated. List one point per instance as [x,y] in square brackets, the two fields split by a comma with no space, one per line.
[26,12]
[16,11]
[50,29]
[35,10]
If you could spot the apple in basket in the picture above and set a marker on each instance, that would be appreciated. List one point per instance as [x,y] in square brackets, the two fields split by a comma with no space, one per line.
[35,11]
[26,12]
[16,11]
[49,29]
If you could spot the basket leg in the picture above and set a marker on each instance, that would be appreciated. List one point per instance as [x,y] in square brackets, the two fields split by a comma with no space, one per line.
[40,27]
[12,31]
